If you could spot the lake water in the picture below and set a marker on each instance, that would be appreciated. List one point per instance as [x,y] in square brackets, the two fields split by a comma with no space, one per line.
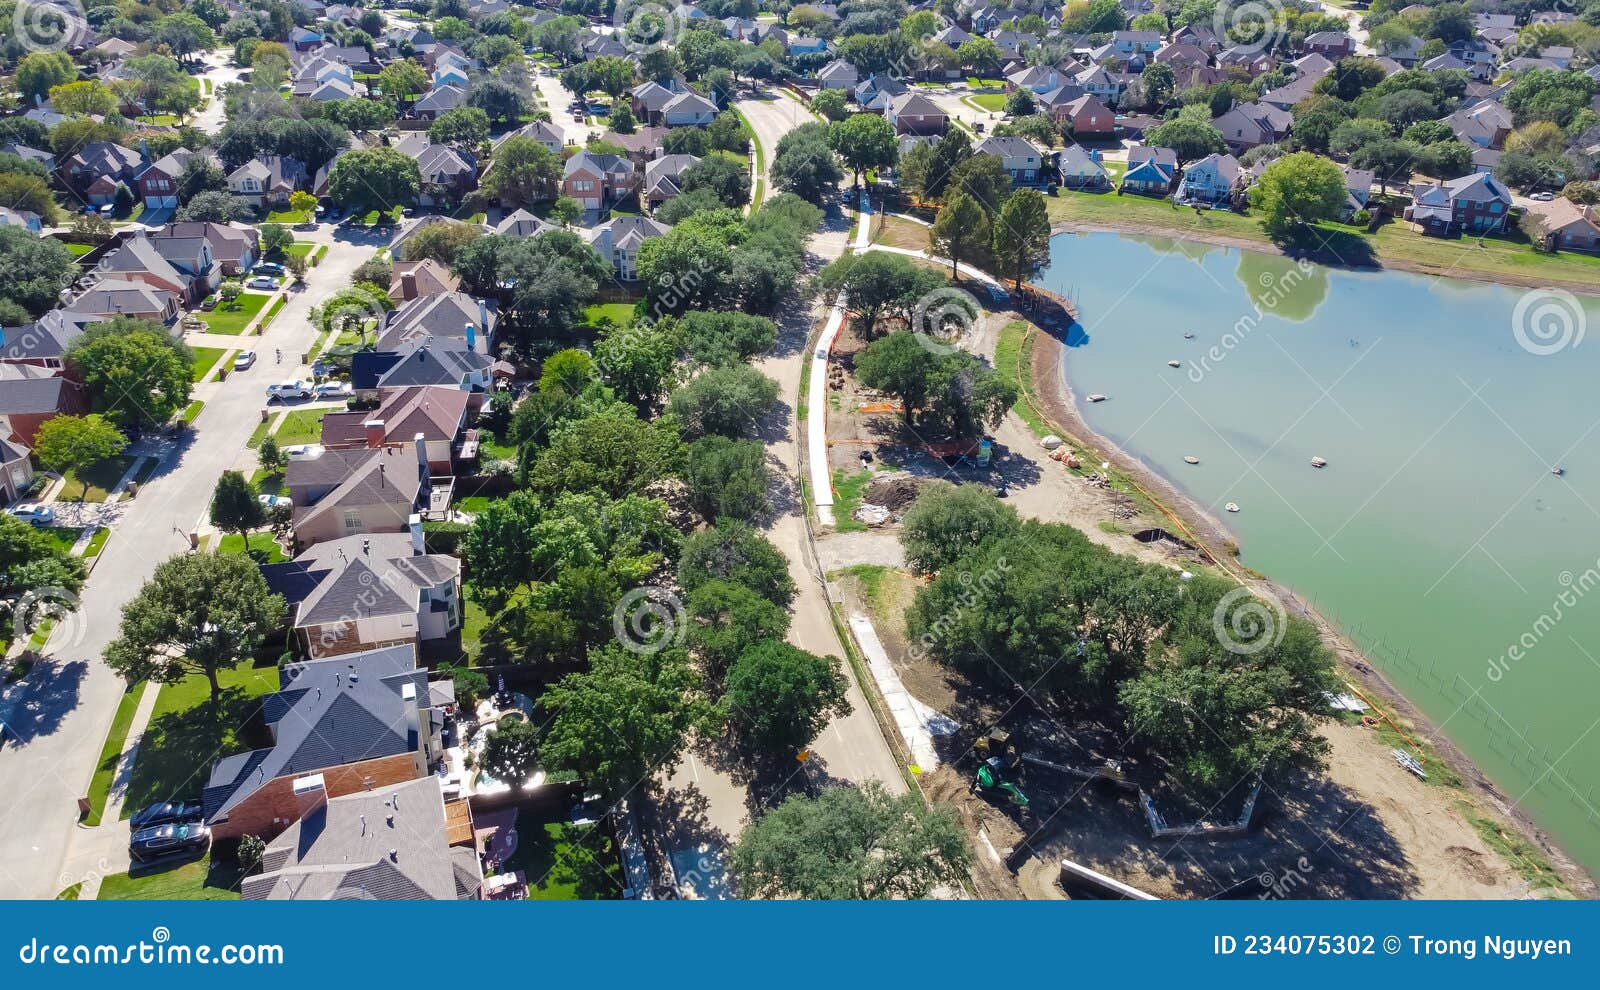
[1437,537]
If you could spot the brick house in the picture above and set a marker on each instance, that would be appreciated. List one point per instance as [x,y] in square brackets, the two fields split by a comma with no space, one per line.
[915,113]
[1475,203]
[1566,226]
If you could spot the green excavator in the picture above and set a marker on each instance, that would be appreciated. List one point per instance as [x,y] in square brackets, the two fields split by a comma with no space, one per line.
[999,766]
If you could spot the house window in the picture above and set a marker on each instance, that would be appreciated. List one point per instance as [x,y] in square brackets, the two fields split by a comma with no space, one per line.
[352,520]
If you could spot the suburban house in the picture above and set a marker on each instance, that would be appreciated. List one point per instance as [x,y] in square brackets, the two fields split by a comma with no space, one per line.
[1358,185]
[1476,203]
[182,266]
[409,228]
[1332,45]
[521,224]
[436,413]
[413,279]
[875,92]
[1252,60]
[618,240]
[1249,125]
[1565,226]
[448,174]
[663,178]
[541,131]
[1212,179]
[157,182]
[267,180]
[31,396]
[1100,82]
[915,113]
[1485,124]
[99,167]
[16,468]
[403,842]
[596,179]
[1023,161]
[26,219]
[649,99]
[44,343]
[439,100]
[112,297]
[1079,168]
[445,317]
[423,362]
[369,592]
[338,493]
[838,74]
[235,247]
[1037,79]
[340,726]
[688,109]
[1150,170]
[1087,116]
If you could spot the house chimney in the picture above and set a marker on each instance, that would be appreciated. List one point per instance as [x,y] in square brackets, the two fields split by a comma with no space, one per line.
[310,793]
[422,459]
[374,428]
[144,150]
[472,338]
[418,545]
[366,548]
[483,315]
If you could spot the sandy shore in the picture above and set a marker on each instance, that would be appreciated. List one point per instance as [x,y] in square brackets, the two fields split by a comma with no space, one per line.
[1054,400]
[1388,264]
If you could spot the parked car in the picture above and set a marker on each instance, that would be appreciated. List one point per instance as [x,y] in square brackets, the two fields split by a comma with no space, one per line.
[1542,197]
[334,390]
[34,513]
[266,282]
[285,391]
[299,449]
[268,268]
[243,360]
[167,840]
[272,501]
[165,813]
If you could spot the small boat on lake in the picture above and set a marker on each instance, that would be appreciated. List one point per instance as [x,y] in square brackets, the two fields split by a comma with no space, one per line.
[1191,459]
[1188,335]
[1097,397]
[1174,364]
[1318,462]
[1558,471]
[1232,506]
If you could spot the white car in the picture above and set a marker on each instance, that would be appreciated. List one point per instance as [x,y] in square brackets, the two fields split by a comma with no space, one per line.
[272,501]
[34,513]
[262,282]
[284,391]
[1542,197]
[334,390]
[243,360]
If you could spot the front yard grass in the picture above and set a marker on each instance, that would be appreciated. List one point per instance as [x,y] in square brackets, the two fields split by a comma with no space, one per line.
[288,216]
[187,733]
[231,318]
[266,321]
[102,476]
[300,426]
[197,880]
[262,547]
[260,432]
[269,482]
[205,358]
[988,102]
[849,489]
[105,771]
[619,313]
[566,862]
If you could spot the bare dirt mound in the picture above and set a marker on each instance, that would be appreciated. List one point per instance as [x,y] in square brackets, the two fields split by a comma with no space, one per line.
[990,831]
[894,493]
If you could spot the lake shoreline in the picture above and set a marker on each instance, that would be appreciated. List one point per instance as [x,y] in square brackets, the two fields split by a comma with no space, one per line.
[1052,394]
[1267,247]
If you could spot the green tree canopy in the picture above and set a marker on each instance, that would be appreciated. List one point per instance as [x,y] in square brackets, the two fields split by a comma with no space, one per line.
[779,697]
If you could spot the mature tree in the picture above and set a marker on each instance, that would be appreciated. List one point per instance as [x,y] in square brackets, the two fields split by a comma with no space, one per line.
[375,178]
[71,443]
[511,752]
[685,269]
[727,478]
[637,362]
[34,561]
[234,507]
[201,175]
[470,684]
[81,99]
[831,104]
[1389,160]
[39,72]
[852,843]
[1189,139]
[184,34]
[733,551]
[778,697]
[200,613]
[441,242]
[136,372]
[726,338]
[805,163]
[214,206]
[1021,246]
[498,98]
[1298,189]
[979,54]
[36,268]
[623,722]
[725,619]
[401,80]
[613,452]
[727,178]
[1220,709]
[960,232]
[879,285]
[948,155]
[947,521]
[464,127]
[865,141]
[728,401]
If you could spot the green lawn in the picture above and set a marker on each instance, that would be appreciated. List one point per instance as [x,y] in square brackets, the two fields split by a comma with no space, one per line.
[102,476]
[159,119]
[263,547]
[849,488]
[266,321]
[197,880]
[371,216]
[205,358]
[231,318]
[187,733]
[300,426]
[288,216]
[473,504]
[79,250]
[977,83]
[992,102]
[565,862]
[618,313]
[260,432]
[97,543]
[300,249]
[105,771]
[268,482]
[64,536]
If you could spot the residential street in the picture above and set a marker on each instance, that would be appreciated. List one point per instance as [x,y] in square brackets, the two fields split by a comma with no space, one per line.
[57,718]
[772,115]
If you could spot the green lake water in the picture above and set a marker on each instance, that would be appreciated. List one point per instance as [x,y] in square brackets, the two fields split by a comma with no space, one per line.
[1437,537]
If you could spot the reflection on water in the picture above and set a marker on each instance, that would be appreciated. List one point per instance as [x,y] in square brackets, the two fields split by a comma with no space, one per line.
[1438,536]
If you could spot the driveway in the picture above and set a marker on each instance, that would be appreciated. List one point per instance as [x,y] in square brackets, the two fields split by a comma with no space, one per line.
[57,718]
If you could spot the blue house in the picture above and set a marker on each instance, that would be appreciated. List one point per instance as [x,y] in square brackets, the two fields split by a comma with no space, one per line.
[1150,171]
